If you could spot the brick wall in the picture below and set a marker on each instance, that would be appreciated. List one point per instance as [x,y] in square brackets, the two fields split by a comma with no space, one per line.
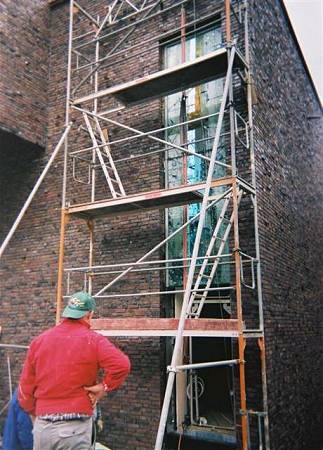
[288,163]
[29,268]
[24,68]
[24,46]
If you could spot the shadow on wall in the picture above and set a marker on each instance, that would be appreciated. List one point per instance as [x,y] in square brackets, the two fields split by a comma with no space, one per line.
[20,165]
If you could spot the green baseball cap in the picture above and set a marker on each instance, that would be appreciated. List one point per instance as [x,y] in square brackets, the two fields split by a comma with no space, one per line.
[78,305]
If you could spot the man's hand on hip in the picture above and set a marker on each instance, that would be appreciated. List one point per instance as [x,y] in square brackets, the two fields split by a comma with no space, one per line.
[95,392]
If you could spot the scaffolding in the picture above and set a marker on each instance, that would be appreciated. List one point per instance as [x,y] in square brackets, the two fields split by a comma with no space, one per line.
[98,53]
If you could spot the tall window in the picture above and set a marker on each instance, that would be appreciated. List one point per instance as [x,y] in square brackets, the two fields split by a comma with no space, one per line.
[200,101]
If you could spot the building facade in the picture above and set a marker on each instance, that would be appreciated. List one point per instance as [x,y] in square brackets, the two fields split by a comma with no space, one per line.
[287,135]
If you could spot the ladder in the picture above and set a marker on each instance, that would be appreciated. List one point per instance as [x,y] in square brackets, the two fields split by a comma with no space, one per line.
[197,300]
[101,140]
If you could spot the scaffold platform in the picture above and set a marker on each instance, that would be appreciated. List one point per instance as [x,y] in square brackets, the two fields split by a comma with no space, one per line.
[162,198]
[149,327]
[168,81]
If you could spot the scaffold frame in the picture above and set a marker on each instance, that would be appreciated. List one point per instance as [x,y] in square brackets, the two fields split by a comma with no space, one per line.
[98,156]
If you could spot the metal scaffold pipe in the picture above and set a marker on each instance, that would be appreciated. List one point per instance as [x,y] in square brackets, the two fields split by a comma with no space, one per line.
[229,362]
[34,191]
[261,341]
[14,346]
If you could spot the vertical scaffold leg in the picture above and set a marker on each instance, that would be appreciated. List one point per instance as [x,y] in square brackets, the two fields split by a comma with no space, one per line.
[241,339]
[59,296]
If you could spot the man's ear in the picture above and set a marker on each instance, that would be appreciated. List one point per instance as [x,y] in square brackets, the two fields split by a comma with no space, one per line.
[89,315]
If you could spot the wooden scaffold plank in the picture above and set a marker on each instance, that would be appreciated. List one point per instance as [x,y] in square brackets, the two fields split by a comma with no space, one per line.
[165,327]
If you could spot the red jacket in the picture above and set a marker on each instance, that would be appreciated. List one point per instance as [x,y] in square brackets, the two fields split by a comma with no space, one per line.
[61,361]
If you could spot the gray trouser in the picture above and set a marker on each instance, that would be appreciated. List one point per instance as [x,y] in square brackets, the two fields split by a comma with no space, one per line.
[65,435]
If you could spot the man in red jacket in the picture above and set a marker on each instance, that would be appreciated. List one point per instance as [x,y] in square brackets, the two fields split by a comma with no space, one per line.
[58,383]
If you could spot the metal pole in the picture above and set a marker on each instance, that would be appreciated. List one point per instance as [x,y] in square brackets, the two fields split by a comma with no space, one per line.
[138,294]
[179,336]
[59,295]
[9,376]
[228,20]
[183,138]
[260,432]
[24,347]
[232,128]
[229,362]
[33,192]
[181,379]
[108,266]
[64,216]
[95,110]
[257,244]
[253,171]
[241,339]
[229,43]
[68,97]
[261,344]
[90,225]
[147,269]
